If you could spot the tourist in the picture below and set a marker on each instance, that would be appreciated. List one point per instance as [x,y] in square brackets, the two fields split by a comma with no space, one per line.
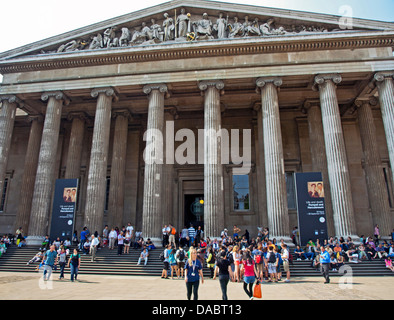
[74,263]
[166,262]
[62,256]
[211,260]
[172,261]
[127,242]
[248,267]
[144,255]
[389,264]
[193,274]
[223,267]
[180,258]
[325,264]
[50,261]
[273,261]
[192,234]
[376,235]
[112,236]
[237,258]
[93,247]
[285,258]
[120,242]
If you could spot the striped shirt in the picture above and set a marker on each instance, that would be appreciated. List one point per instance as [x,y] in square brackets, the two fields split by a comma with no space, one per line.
[192,232]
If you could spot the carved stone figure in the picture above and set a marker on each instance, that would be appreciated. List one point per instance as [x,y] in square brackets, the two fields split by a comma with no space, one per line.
[108,36]
[203,28]
[155,30]
[124,38]
[96,42]
[183,24]
[69,46]
[221,26]
[236,29]
[139,36]
[169,28]
[251,29]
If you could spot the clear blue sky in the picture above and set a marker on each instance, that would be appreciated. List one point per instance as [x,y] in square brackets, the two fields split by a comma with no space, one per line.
[26,21]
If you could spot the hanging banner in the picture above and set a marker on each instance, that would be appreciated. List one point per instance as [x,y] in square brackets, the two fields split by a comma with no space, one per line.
[312,222]
[63,211]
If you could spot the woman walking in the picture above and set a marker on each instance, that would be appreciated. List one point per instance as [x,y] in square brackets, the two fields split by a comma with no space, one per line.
[74,263]
[237,261]
[193,273]
[249,268]
[62,256]
[223,267]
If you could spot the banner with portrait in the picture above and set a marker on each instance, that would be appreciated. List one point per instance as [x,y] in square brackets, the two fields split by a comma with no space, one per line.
[63,210]
[312,222]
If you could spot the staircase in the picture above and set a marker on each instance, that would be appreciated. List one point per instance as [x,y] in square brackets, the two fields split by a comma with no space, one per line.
[109,263]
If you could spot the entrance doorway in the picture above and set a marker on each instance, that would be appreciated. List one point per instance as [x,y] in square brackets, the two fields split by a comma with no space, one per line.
[194,210]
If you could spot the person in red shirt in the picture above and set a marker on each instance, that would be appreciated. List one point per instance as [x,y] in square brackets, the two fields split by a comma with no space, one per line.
[248,268]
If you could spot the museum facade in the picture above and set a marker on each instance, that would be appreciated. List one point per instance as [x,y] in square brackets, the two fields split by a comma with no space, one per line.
[200,112]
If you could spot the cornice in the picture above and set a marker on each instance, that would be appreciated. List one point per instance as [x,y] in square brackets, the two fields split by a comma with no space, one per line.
[196,50]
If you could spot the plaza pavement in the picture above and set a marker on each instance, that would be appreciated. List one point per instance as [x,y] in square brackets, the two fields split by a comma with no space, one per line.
[30,286]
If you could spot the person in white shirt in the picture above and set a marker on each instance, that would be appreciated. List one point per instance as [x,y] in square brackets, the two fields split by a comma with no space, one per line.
[144,255]
[93,247]
[285,258]
[112,237]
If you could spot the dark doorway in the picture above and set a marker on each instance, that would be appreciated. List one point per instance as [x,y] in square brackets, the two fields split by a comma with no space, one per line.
[194,210]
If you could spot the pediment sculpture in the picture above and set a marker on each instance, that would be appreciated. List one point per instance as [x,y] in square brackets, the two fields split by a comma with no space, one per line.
[184,28]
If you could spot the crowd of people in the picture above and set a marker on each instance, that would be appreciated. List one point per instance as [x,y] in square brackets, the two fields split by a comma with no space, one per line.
[231,257]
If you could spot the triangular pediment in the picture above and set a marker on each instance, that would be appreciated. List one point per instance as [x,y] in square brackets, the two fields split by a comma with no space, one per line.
[183,21]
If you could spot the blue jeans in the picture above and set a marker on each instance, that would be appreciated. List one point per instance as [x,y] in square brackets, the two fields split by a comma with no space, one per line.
[74,272]
[47,269]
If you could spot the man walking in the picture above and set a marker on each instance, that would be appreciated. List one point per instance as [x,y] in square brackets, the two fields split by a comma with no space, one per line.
[325,264]
[93,247]
[50,260]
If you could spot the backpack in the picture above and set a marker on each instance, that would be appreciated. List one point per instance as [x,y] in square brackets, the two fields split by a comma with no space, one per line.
[257,258]
[162,257]
[173,231]
[181,255]
[272,257]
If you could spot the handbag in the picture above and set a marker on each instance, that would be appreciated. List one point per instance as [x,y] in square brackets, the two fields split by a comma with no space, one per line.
[257,291]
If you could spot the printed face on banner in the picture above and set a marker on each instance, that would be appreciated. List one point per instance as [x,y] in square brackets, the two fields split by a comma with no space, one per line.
[70,194]
[316,189]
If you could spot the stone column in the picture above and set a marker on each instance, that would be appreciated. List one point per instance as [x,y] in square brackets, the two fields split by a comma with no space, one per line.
[96,188]
[378,197]
[338,171]
[168,170]
[385,84]
[118,168]
[29,172]
[7,120]
[45,177]
[213,168]
[74,155]
[319,159]
[277,210]
[152,214]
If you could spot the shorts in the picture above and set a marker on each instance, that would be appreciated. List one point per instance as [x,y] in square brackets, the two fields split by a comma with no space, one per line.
[181,265]
[174,264]
[250,279]
[166,265]
[272,268]
[286,266]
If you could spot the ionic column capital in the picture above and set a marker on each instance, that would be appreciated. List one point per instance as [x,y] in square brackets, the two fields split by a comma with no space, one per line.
[11,99]
[323,78]
[34,117]
[58,95]
[77,114]
[122,112]
[372,101]
[204,85]
[261,82]
[108,91]
[381,76]
[310,103]
[162,87]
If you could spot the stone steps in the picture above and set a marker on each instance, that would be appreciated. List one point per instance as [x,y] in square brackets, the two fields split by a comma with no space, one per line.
[109,263]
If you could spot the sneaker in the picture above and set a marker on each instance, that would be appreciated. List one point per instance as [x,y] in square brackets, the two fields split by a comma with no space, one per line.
[287,280]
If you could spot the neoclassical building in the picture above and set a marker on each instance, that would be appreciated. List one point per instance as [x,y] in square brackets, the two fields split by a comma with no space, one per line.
[296,91]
